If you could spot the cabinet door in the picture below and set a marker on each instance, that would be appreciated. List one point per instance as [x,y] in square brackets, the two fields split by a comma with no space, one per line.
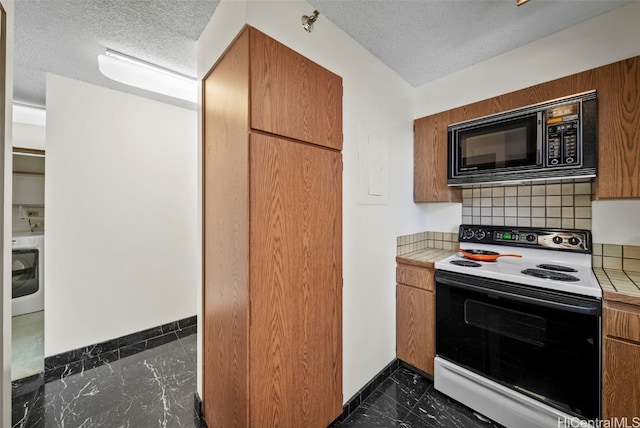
[292,96]
[296,284]
[415,328]
[415,276]
[619,126]
[430,161]
[621,379]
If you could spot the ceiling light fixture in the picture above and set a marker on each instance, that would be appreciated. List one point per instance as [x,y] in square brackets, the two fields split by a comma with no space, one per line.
[144,75]
[521,2]
[307,21]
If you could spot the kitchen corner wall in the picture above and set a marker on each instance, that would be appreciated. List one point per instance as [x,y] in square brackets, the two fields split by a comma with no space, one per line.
[555,204]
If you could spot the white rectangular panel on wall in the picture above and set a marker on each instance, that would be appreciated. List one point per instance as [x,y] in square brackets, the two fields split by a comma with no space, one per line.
[373,165]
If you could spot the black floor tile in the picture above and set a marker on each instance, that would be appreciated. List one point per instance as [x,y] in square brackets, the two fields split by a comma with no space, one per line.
[152,388]
[405,387]
[438,409]
[408,400]
[379,410]
[155,387]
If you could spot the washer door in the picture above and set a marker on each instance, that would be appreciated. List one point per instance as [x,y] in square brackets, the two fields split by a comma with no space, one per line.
[24,273]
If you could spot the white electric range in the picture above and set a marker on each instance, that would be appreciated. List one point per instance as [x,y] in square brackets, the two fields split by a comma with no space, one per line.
[518,339]
[543,263]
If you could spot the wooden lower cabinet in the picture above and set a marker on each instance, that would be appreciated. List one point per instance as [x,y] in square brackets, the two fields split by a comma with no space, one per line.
[621,361]
[415,317]
[621,379]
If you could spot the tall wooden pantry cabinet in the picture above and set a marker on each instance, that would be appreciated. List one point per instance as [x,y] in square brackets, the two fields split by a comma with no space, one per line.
[272,315]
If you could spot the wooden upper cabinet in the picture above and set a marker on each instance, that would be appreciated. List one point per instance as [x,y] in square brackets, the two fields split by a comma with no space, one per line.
[618,92]
[430,161]
[619,130]
[292,96]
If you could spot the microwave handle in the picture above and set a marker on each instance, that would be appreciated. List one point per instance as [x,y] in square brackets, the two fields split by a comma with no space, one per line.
[540,139]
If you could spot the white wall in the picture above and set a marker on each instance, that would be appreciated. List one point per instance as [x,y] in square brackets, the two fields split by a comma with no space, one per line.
[121,220]
[373,94]
[29,136]
[602,40]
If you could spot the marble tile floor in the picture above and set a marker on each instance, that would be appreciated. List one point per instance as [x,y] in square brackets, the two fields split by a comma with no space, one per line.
[27,345]
[409,400]
[153,388]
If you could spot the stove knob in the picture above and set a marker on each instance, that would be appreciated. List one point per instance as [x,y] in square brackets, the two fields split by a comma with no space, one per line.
[557,240]
[467,234]
[530,237]
[574,241]
[480,234]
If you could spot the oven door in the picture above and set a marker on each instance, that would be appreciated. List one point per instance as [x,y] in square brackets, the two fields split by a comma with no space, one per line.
[540,343]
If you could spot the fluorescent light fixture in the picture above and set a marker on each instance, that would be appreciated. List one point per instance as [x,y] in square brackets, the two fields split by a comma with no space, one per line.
[134,72]
[31,115]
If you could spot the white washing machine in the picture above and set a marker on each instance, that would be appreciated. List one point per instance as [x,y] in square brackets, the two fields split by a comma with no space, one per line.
[27,279]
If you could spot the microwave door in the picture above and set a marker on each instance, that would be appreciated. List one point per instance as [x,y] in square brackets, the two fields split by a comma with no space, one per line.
[502,146]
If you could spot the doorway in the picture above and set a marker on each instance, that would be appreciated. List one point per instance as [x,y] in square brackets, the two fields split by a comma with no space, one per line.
[27,267]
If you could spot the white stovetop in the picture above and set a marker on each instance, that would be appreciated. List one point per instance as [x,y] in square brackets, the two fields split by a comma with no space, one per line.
[510,268]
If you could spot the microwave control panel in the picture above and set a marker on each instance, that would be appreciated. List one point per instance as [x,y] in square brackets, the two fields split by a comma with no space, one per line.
[563,130]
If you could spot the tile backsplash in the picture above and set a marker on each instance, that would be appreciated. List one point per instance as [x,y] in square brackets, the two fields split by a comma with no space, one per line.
[561,204]
[621,257]
[419,241]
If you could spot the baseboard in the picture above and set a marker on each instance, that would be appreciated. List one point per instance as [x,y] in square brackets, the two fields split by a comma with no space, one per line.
[88,357]
[366,391]
[197,407]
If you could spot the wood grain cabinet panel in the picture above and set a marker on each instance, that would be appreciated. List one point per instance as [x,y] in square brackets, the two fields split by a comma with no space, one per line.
[292,96]
[296,294]
[430,161]
[415,276]
[622,323]
[621,379]
[415,316]
[415,327]
[621,360]
[618,92]
[619,130]
[226,240]
[272,247]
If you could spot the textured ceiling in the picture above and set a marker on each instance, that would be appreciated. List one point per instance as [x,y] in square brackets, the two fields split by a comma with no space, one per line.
[421,40]
[65,37]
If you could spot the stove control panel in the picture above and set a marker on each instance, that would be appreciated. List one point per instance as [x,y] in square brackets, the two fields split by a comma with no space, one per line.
[555,239]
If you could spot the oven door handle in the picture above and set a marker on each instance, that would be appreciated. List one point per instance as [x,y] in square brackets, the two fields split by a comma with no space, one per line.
[566,307]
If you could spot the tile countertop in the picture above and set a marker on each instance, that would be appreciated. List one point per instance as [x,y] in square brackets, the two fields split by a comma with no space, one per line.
[619,285]
[425,257]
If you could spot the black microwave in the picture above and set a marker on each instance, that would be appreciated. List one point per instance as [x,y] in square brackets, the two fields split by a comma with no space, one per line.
[552,140]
